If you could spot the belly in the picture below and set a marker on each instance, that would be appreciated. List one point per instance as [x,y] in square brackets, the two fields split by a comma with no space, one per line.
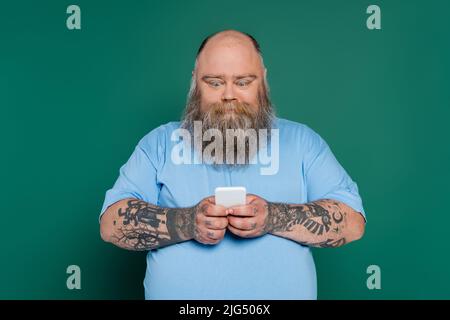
[267,267]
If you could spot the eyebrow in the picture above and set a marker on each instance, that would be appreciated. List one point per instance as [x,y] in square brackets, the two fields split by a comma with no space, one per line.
[221,76]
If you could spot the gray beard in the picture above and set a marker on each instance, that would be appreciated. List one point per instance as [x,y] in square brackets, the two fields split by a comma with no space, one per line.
[244,132]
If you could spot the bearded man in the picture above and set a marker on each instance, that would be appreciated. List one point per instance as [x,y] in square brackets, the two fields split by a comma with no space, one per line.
[260,250]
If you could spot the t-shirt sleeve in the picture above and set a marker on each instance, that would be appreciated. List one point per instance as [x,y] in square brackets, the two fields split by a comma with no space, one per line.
[326,178]
[138,176]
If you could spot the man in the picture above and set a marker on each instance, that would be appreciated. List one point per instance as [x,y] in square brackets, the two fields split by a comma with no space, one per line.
[261,250]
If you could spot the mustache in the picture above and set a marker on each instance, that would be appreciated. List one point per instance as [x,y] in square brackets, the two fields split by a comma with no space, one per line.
[222,108]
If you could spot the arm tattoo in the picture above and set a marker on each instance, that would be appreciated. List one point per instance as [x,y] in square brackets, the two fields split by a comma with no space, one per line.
[329,243]
[143,226]
[323,219]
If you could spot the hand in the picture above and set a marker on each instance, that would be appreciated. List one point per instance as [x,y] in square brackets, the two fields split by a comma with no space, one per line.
[210,221]
[250,220]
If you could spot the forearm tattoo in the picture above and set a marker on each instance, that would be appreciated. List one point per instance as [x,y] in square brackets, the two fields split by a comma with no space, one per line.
[142,226]
[323,219]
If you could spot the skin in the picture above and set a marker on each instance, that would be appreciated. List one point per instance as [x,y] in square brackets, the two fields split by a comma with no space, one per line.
[325,223]
[229,69]
[138,225]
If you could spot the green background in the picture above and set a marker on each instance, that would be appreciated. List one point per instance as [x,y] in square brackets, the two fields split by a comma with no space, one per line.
[74,103]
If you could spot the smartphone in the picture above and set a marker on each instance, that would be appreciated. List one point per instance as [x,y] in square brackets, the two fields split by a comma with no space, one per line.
[230,196]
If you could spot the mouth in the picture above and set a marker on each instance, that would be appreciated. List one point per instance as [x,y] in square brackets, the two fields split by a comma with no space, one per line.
[227,110]
[230,108]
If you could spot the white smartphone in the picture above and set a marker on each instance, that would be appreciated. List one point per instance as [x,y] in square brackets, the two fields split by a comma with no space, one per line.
[230,196]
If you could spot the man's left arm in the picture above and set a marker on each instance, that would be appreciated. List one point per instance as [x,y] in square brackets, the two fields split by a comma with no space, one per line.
[325,223]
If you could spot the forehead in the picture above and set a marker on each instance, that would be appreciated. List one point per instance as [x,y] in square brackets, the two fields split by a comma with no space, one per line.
[228,57]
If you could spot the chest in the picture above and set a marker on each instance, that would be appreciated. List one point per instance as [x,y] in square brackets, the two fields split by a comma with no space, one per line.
[185,185]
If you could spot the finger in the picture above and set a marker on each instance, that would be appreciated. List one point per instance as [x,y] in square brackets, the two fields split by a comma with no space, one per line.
[243,211]
[211,210]
[206,241]
[219,234]
[242,223]
[216,223]
[241,233]
[213,234]
[251,197]
[202,236]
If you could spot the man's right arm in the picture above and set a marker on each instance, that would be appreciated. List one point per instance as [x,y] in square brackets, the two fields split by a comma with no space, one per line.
[138,225]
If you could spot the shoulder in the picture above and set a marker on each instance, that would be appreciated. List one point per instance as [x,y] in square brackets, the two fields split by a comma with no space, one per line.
[158,135]
[154,143]
[299,132]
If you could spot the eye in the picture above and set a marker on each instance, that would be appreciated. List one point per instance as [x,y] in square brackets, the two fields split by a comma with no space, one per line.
[214,84]
[243,83]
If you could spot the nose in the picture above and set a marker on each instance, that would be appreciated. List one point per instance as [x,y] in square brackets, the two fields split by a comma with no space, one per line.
[228,94]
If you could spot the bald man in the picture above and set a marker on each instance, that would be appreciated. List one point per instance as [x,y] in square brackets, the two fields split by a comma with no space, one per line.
[261,250]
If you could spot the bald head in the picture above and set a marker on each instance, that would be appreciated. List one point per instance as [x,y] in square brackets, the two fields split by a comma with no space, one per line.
[242,43]
[230,35]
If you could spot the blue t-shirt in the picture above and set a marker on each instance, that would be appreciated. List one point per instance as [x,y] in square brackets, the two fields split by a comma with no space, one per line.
[266,267]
